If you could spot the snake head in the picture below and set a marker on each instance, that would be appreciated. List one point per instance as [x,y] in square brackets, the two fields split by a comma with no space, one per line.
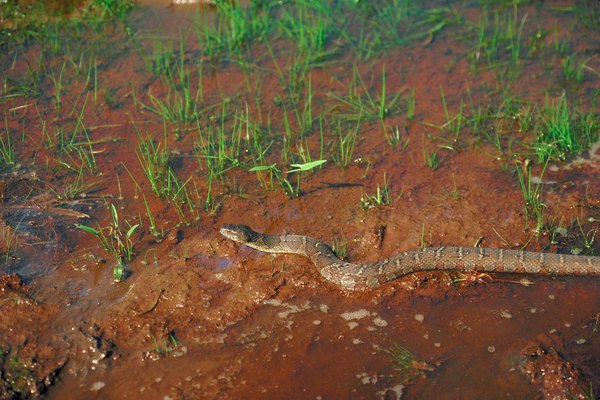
[238,233]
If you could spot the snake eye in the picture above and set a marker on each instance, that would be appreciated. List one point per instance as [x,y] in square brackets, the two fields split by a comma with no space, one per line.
[245,233]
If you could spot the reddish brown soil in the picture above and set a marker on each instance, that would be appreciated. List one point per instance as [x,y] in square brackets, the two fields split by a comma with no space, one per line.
[199,317]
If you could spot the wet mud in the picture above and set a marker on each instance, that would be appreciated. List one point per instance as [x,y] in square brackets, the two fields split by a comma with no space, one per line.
[197,316]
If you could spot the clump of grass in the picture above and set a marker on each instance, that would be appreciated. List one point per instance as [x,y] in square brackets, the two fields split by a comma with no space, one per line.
[565,130]
[182,101]
[162,57]
[154,159]
[219,144]
[499,40]
[235,28]
[502,124]
[57,82]
[77,145]
[8,159]
[77,190]
[151,220]
[16,371]
[210,205]
[393,24]
[394,136]
[359,103]
[274,172]
[167,346]
[453,123]
[453,193]
[114,240]
[572,68]
[299,168]
[346,143]
[532,194]
[340,247]
[381,197]
[289,189]
[430,158]
[20,20]
[184,86]
[108,9]
[309,25]
[581,240]
[9,240]
[296,80]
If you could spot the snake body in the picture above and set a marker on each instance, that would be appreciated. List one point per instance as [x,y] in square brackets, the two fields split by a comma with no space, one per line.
[364,276]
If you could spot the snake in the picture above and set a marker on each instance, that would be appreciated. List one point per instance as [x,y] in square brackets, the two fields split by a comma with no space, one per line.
[351,276]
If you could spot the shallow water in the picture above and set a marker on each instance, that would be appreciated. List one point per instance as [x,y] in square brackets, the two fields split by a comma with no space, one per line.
[197,316]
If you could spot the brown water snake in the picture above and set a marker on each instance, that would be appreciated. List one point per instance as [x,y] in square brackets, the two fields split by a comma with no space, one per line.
[364,276]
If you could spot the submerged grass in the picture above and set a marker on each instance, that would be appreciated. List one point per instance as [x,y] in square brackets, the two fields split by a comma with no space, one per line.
[184,85]
[317,30]
[20,20]
[309,26]
[405,363]
[236,27]
[57,82]
[573,69]
[385,25]
[17,373]
[180,105]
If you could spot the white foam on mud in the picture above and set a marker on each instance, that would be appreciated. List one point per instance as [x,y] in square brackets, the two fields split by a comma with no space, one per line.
[398,389]
[288,308]
[358,314]
[594,160]
[367,379]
